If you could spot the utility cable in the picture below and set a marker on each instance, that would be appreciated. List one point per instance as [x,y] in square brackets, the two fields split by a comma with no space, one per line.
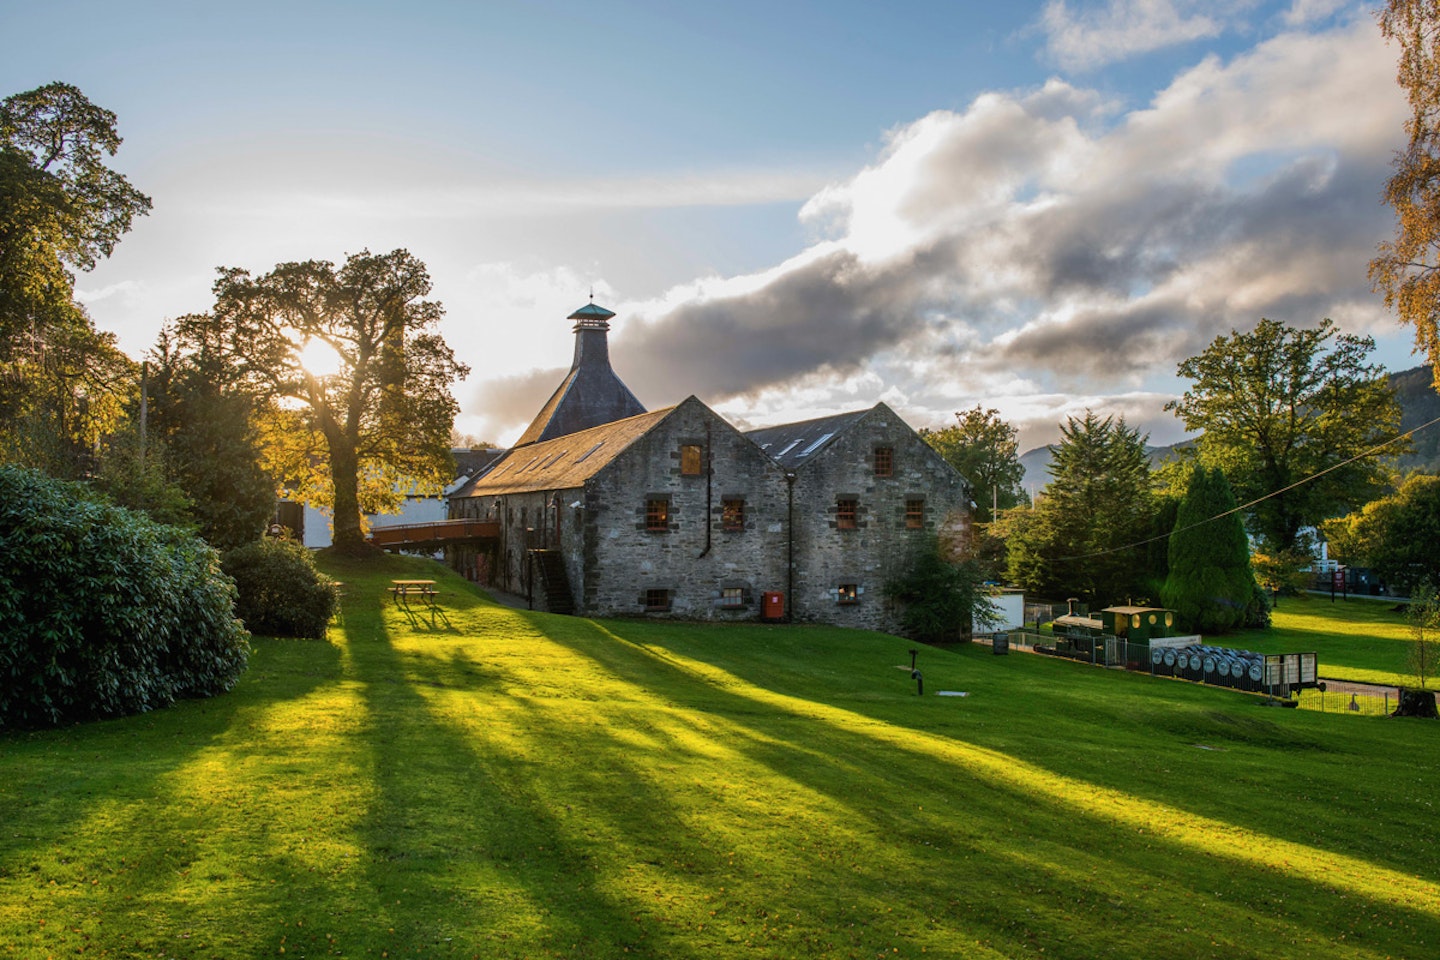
[1247,506]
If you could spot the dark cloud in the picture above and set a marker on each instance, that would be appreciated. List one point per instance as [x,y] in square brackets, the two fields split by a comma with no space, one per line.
[830,315]
[511,402]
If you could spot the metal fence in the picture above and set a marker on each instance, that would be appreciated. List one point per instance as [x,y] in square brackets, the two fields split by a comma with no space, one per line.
[1354,700]
[1274,679]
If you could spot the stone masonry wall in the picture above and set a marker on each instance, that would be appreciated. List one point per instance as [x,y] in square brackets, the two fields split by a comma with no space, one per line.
[830,559]
[694,559]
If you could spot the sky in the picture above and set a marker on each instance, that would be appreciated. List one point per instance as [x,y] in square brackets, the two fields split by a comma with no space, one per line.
[794,208]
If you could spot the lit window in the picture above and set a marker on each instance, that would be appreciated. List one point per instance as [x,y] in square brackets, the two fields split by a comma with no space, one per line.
[657,599]
[732,597]
[732,515]
[848,593]
[845,513]
[690,460]
[657,514]
[884,461]
[914,513]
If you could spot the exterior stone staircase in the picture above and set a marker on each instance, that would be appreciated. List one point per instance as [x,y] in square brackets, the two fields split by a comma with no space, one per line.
[550,568]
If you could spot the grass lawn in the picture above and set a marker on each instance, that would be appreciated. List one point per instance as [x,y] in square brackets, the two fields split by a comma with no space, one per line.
[500,783]
[1362,640]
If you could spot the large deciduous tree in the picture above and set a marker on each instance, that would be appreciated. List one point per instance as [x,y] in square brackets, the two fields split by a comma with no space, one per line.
[1396,536]
[984,448]
[1281,405]
[1407,269]
[1079,539]
[363,436]
[61,208]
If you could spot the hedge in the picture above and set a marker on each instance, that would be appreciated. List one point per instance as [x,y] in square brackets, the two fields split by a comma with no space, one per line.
[104,612]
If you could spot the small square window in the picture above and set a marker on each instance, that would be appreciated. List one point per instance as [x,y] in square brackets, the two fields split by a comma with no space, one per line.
[657,514]
[732,514]
[914,513]
[690,460]
[657,600]
[732,597]
[884,461]
[846,511]
[848,593]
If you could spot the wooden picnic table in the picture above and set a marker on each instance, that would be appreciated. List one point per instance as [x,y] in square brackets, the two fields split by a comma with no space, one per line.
[403,590]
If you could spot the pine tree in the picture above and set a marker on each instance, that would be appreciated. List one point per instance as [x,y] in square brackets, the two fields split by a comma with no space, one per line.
[1210,581]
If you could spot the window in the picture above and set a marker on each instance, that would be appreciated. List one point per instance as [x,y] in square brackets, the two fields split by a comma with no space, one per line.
[816,445]
[848,593]
[846,510]
[657,514]
[884,461]
[657,599]
[690,460]
[732,514]
[914,513]
[732,596]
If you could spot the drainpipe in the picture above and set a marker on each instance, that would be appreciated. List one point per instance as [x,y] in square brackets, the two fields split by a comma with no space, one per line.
[789,547]
[709,491]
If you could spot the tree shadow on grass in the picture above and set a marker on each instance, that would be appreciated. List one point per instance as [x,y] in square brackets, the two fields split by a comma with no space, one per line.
[467,847]
[1036,845]
[118,831]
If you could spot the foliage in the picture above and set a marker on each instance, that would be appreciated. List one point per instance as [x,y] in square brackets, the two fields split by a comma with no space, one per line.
[1423,618]
[1407,269]
[105,612]
[137,481]
[383,421]
[942,599]
[1397,536]
[64,383]
[1279,406]
[1210,584]
[813,805]
[985,449]
[281,593]
[1080,538]
[1281,571]
[206,419]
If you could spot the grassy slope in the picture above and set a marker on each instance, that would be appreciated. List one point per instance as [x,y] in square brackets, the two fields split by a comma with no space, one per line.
[504,784]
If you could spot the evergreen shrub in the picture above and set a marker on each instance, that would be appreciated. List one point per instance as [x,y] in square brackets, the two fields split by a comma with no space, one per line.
[104,612]
[282,594]
[1211,586]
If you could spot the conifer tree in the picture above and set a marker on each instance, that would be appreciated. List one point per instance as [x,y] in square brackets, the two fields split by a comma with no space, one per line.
[1210,581]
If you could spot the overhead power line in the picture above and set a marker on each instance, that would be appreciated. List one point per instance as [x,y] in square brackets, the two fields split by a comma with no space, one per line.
[1246,506]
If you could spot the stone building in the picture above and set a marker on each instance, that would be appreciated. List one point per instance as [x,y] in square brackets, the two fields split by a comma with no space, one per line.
[605,509]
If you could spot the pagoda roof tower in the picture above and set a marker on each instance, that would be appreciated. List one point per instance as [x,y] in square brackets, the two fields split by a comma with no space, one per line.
[591,394]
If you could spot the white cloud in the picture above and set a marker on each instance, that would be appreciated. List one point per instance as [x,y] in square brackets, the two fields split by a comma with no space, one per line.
[1086,39]
[1303,12]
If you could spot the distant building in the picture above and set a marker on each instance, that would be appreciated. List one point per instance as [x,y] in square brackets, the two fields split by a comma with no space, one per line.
[606,509]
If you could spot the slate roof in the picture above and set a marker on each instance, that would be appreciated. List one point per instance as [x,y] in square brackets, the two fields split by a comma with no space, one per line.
[793,444]
[565,462]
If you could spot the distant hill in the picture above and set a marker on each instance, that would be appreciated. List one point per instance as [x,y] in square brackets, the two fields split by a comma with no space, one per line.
[1037,463]
[1419,403]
